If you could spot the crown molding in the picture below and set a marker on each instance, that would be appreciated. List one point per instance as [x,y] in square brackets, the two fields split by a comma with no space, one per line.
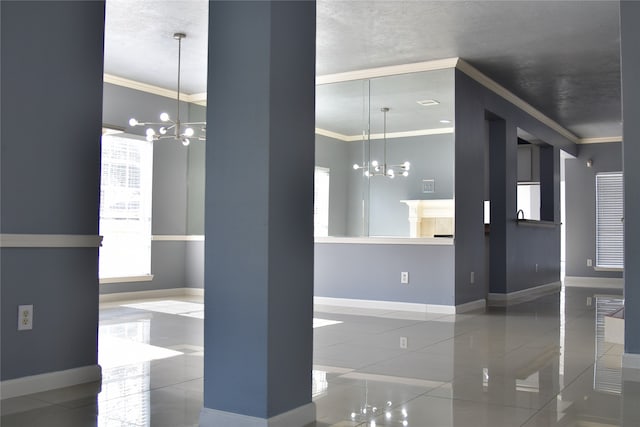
[391,70]
[196,98]
[390,135]
[501,91]
[600,140]
[440,64]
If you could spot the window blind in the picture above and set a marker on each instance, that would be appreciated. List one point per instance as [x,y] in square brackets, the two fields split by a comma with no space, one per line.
[609,225]
[125,206]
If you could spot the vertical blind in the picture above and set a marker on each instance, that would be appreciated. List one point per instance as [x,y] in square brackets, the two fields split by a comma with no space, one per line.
[125,206]
[609,225]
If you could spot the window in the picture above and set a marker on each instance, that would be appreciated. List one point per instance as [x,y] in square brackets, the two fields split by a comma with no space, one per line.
[321,202]
[125,207]
[609,225]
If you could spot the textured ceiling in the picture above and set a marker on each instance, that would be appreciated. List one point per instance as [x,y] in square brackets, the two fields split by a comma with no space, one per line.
[560,56]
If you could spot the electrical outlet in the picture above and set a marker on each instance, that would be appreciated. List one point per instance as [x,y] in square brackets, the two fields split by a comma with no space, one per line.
[404,342]
[589,301]
[25,317]
[404,277]
[589,262]
[472,279]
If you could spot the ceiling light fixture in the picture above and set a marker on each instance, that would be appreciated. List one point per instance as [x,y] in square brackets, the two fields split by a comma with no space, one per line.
[174,129]
[375,168]
[428,102]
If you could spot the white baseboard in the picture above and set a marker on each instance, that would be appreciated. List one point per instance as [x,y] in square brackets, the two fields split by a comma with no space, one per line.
[471,306]
[298,417]
[400,306]
[631,361]
[151,294]
[593,282]
[49,381]
[495,299]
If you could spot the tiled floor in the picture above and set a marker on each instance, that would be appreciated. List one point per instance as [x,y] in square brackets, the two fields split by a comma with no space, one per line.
[539,363]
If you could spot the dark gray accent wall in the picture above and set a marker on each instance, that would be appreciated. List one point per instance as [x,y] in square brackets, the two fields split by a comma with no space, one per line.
[630,33]
[259,250]
[580,202]
[372,272]
[333,154]
[475,104]
[51,108]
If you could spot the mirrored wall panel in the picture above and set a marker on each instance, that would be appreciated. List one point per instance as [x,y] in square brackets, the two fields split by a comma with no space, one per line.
[385,156]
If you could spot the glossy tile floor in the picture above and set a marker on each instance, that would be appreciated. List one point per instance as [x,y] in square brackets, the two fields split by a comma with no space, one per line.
[538,363]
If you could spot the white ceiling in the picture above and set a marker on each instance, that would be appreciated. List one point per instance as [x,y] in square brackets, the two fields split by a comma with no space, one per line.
[562,57]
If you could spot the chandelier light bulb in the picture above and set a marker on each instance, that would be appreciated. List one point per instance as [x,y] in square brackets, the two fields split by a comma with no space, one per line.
[188,132]
[407,165]
[133,122]
[356,166]
[405,173]
[150,138]
[185,141]
[366,173]
[164,117]
[374,163]
[387,415]
[390,173]
[150,132]
[162,130]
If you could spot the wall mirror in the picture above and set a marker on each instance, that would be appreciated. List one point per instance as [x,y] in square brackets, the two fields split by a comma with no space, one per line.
[385,156]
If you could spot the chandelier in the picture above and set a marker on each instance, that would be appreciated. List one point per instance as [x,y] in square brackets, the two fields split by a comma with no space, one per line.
[168,128]
[375,168]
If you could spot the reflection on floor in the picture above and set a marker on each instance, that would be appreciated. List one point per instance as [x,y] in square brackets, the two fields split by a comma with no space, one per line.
[539,363]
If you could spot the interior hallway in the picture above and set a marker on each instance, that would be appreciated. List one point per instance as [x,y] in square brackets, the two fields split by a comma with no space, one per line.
[538,363]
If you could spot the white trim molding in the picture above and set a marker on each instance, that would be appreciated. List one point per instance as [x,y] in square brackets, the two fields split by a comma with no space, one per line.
[50,381]
[426,241]
[500,300]
[298,417]
[593,282]
[440,64]
[196,98]
[49,241]
[126,279]
[391,135]
[601,140]
[151,294]
[401,306]
[178,238]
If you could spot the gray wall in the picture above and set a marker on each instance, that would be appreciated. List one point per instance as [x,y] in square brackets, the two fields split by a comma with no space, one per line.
[474,105]
[333,154]
[178,186]
[50,167]
[372,272]
[580,202]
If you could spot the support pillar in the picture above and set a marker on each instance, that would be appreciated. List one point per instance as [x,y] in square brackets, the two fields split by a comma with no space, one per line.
[259,214]
[630,67]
